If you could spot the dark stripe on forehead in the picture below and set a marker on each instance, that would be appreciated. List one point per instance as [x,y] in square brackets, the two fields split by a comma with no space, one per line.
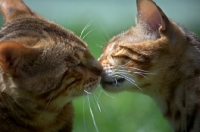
[28,26]
[141,56]
[25,26]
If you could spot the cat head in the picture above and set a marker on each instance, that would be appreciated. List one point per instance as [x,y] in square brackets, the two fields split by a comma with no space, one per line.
[40,57]
[141,56]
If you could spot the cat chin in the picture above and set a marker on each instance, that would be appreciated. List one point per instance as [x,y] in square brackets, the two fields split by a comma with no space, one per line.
[89,88]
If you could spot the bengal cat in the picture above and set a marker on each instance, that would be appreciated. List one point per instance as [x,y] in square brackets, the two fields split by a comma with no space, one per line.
[159,58]
[43,67]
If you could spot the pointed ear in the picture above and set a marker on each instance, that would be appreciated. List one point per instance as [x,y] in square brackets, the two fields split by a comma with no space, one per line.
[13,9]
[149,13]
[11,54]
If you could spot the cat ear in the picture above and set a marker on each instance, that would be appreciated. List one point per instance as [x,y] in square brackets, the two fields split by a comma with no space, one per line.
[149,13]
[13,9]
[11,53]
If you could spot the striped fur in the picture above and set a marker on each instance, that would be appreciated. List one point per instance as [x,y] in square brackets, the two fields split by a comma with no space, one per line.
[159,58]
[43,67]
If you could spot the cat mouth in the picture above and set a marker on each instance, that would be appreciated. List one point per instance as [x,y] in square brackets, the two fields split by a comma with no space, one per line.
[114,82]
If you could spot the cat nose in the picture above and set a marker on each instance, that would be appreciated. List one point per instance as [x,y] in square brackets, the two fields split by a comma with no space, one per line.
[95,67]
[92,64]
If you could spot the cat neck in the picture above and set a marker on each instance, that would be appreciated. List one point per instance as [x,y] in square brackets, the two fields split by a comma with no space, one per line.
[175,98]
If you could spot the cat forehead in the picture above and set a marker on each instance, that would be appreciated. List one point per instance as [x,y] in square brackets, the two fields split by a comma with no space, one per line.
[36,30]
[21,21]
[134,35]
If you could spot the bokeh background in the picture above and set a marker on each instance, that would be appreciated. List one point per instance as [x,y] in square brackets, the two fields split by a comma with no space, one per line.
[102,111]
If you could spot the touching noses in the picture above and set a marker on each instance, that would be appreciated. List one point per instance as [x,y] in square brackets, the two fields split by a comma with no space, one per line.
[92,64]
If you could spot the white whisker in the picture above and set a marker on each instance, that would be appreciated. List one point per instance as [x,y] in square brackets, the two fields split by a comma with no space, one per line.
[117,75]
[98,104]
[123,71]
[124,74]
[137,86]
[92,115]
[87,92]
[85,28]
[97,101]
[140,70]
[84,114]
[107,94]
[128,79]
[133,69]
[107,36]
[87,33]
[116,82]
[146,73]
[100,93]
[124,65]
[100,46]
[139,73]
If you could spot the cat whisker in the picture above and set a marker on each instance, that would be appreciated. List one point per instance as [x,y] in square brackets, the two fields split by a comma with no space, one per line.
[103,109]
[125,65]
[84,114]
[139,73]
[85,28]
[106,33]
[88,33]
[101,106]
[137,86]
[87,92]
[100,93]
[133,68]
[92,115]
[97,102]
[99,46]
[128,79]
[107,94]
[123,71]
[125,75]
[143,71]
[116,82]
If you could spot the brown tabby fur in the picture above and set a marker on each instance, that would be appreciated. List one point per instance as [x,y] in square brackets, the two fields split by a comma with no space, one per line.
[43,67]
[159,58]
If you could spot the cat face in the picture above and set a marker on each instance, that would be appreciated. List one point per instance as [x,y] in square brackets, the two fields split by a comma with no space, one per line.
[41,57]
[141,57]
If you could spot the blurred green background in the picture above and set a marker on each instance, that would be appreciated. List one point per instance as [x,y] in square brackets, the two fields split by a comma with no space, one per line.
[122,112]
